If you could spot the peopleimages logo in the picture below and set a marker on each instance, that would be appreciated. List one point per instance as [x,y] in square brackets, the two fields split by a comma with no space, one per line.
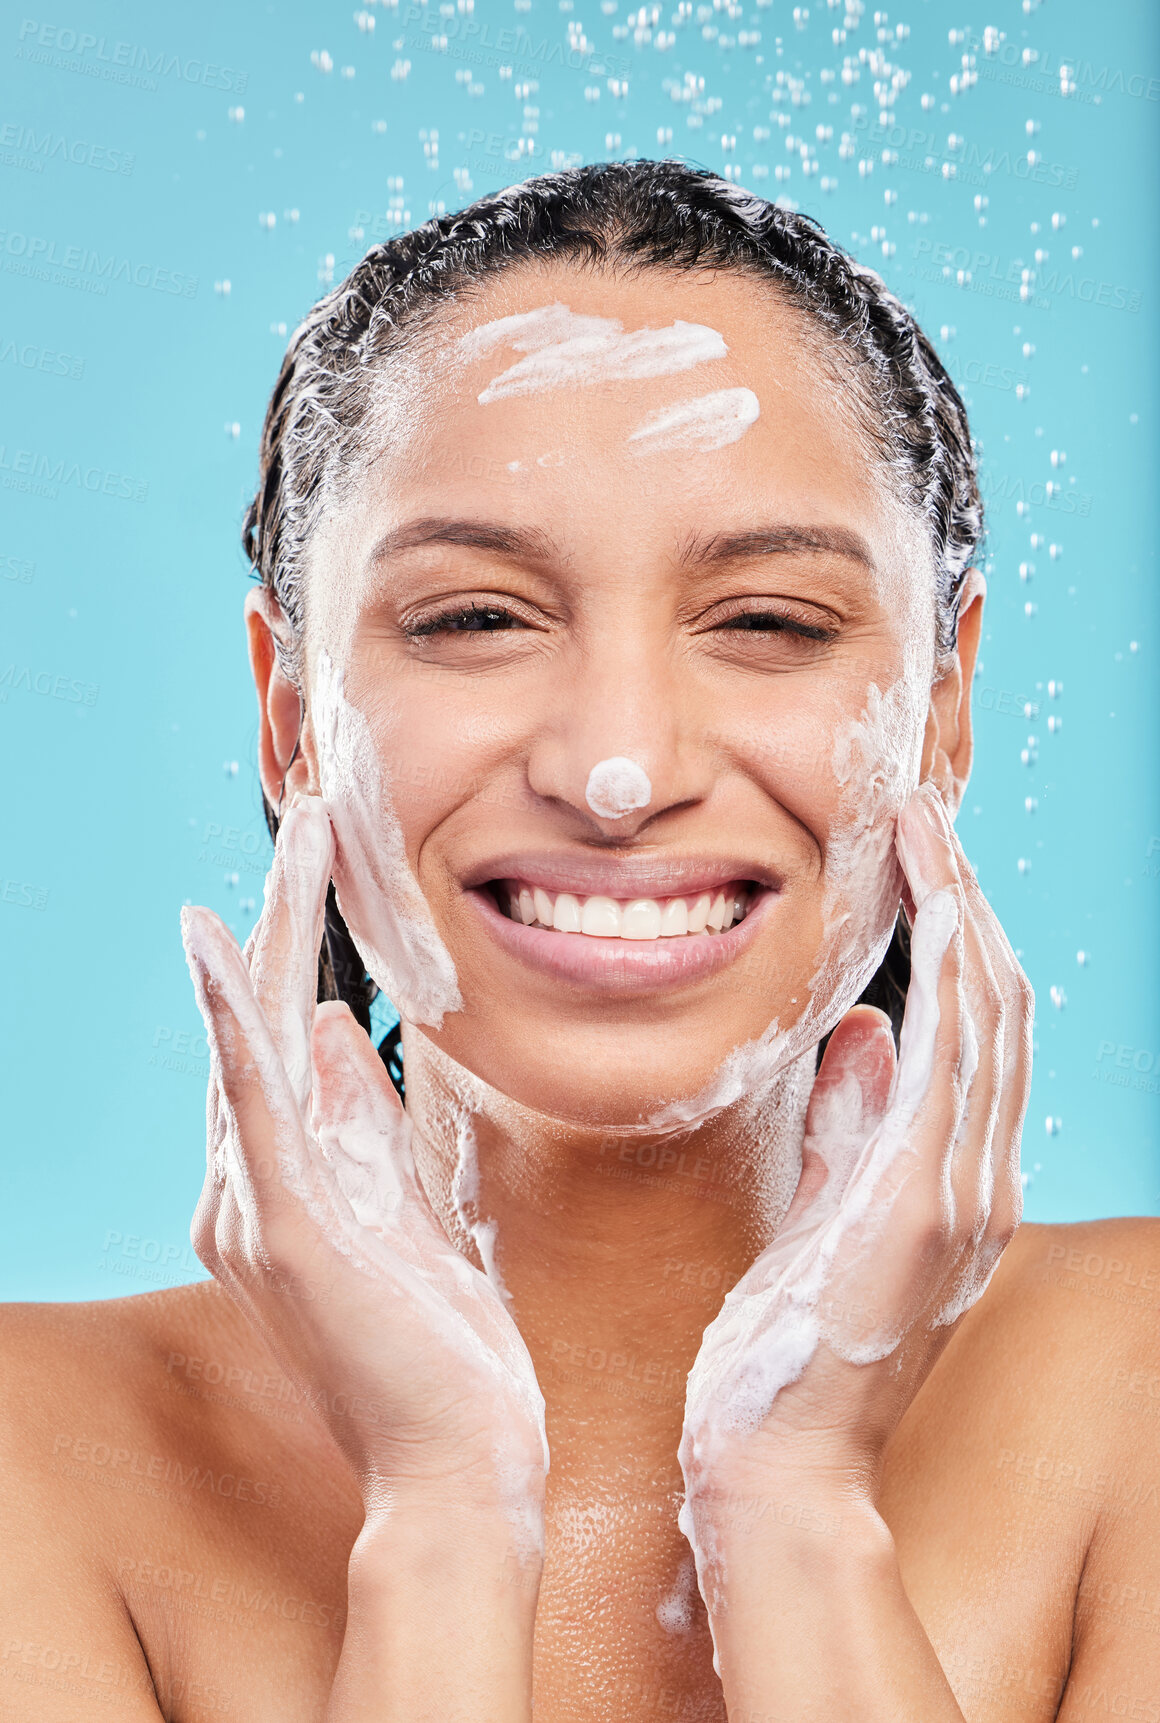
[119,62]
[917,150]
[471,35]
[75,266]
[23,146]
[987,272]
[1068,75]
[42,475]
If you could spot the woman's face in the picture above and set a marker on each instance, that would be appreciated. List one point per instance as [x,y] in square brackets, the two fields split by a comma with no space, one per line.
[585,562]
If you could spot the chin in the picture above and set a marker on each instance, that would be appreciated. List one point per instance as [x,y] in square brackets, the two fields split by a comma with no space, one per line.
[609,1082]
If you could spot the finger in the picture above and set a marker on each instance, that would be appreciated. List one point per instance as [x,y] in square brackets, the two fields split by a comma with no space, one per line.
[850,1093]
[286,942]
[981,1062]
[266,1154]
[203,1227]
[960,1235]
[360,1123]
[847,1102]
[922,845]
[1011,1009]
[930,1045]
[366,1136]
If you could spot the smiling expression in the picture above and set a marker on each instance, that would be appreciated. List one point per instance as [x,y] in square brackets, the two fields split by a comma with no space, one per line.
[521,587]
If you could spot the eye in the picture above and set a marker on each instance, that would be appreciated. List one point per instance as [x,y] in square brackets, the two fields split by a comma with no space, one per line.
[775,622]
[465,619]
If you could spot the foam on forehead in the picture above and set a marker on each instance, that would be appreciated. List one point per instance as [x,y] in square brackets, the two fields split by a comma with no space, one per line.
[565,349]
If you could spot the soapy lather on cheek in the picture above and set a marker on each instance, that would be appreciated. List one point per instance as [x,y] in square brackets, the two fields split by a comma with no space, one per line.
[875,763]
[378,894]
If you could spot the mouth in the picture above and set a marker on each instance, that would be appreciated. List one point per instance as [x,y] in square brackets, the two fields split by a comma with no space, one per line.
[600,917]
[618,939]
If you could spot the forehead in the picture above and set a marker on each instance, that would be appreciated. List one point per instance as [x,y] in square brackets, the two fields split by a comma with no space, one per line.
[629,411]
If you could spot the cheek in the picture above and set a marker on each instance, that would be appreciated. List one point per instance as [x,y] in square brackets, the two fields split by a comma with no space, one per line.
[443,748]
[875,768]
[842,767]
[377,891]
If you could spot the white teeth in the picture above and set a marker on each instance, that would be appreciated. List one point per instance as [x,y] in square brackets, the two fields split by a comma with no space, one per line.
[566,916]
[636,918]
[600,917]
[674,917]
[699,914]
[641,919]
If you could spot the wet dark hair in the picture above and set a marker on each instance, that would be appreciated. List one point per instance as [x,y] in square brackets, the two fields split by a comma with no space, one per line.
[624,217]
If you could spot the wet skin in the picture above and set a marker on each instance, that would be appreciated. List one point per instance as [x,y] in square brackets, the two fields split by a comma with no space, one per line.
[1020,1488]
[1022,1466]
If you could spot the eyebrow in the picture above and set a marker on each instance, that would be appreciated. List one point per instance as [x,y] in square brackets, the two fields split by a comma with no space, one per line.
[526,544]
[778,539]
[533,544]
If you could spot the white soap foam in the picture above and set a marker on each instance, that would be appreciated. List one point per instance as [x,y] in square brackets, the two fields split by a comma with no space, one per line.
[566,349]
[876,763]
[675,1609]
[346,1154]
[772,1322]
[484,1234]
[379,896]
[703,423]
[616,787]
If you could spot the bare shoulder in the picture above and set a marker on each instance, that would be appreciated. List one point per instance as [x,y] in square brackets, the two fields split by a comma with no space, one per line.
[1027,1470]
[1082,1298]
[148,1444]
[167,1396]
[73,1374]
[1050,1386]
[71,1364]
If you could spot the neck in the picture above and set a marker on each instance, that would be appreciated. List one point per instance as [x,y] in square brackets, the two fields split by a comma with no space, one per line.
[613,1249]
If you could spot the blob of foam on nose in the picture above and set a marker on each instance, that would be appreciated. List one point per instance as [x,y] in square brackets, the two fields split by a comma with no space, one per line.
[617,787]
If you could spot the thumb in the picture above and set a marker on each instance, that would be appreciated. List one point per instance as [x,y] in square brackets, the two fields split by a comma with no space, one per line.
[848,1100]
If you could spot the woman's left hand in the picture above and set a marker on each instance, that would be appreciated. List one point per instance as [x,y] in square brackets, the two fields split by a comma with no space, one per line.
[910,1190]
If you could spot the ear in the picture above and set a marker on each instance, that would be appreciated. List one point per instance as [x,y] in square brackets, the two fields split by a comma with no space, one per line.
[285,743]
[948,745]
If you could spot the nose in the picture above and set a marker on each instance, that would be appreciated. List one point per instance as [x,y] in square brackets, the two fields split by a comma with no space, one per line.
[622,746]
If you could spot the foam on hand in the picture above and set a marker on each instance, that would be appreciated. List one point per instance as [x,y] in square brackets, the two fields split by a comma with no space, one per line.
[378,894]
[617,787]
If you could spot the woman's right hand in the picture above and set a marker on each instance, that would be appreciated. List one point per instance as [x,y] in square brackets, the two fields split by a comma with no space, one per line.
[313,1220]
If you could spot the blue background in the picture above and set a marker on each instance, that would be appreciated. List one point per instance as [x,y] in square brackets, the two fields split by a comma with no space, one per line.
[178,185]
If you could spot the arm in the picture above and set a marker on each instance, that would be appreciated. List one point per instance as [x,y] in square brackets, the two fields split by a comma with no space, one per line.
[441,1612]
[909,1193]
[811,1618]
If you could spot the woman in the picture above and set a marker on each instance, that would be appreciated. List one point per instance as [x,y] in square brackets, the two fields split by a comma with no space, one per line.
[614,636]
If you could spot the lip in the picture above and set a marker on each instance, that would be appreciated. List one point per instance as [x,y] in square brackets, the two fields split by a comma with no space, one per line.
[622,876]
[620,966]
